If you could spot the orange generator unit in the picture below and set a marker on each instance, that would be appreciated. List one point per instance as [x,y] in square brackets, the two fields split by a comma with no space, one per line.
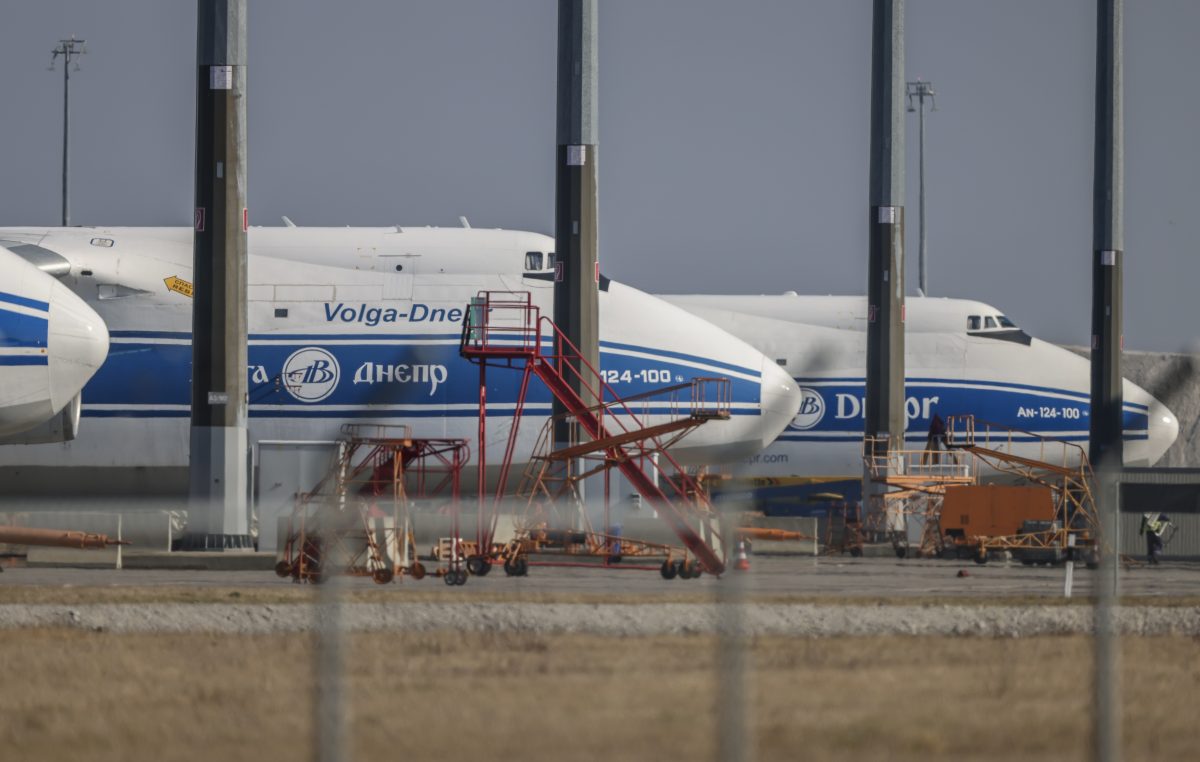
[992,510]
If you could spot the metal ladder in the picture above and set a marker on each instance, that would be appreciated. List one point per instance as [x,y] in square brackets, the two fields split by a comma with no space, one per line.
[505,329]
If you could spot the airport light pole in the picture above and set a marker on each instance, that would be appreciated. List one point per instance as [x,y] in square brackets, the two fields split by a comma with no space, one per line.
[69,50]
[918,91]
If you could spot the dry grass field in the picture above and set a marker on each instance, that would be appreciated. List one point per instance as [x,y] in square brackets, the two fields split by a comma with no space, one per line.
[72,695]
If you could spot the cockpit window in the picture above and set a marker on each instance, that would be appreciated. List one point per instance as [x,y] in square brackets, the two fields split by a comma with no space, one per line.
[533,260]
[996,328]
[990,323]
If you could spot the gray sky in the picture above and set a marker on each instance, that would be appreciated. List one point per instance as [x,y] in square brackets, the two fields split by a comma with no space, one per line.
[734,136]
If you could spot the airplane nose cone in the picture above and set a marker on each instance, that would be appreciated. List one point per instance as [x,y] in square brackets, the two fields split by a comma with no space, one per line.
[748,433]
[1163,430]
[77,343]
[781,399]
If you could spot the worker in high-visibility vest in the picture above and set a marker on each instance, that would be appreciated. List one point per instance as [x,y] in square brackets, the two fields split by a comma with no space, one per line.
[1154,526]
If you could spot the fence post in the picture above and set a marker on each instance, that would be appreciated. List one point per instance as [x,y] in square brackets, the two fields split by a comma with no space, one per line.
[1069,580]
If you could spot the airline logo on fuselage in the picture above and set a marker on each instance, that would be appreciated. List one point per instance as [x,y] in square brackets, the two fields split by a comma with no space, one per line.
[855,406]
[402,373]
[812,409]
[372,316]
[847,407]
[311,374]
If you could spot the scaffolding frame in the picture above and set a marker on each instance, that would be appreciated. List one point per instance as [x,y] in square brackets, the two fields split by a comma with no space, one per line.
[376,472]
[1060,465]
[918,480]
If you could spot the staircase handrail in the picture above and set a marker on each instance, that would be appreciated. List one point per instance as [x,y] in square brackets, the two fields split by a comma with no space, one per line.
[971,437]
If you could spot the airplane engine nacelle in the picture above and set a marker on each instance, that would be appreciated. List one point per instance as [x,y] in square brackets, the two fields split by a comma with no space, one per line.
[51,344]
[60,427]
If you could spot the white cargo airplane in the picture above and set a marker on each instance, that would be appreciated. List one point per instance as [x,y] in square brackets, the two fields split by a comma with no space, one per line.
[51,344]
[358,325]
[962,357]
[330,290]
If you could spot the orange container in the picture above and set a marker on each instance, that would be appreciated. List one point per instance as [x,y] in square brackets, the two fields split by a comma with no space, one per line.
[993,510]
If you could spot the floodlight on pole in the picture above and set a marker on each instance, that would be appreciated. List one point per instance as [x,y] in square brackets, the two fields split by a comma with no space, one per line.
[70,50]
[918,91]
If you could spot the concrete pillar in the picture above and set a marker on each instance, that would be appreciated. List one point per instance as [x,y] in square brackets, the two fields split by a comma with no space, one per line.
[218,515]
[885,417]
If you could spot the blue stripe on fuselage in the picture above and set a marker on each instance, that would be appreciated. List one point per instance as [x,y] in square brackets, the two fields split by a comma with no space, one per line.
[316,339]
[1002,385]
[149,369]
[833,409]
[24,360]
[433,411]
[18,330]
[24,301]
[682,356]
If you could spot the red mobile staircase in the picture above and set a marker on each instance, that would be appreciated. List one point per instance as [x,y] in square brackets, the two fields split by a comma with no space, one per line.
[505,329]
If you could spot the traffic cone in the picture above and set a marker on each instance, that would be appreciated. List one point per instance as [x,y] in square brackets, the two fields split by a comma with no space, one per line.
[742,563]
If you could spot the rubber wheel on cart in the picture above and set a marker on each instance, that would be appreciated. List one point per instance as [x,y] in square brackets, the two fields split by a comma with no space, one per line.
[690,569]
[477,566]
[510,567]
[283,569]
[383,575]
[980,558]
[417,570]
[856,552]
[668,570]
[522,566]
[450,577]
[462,577]
[901,551]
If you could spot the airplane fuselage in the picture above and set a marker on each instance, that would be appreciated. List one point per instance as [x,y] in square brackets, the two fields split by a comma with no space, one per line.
[354,326]
[962,357]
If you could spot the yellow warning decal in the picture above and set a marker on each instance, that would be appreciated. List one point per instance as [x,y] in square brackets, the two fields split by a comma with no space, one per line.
[179,286]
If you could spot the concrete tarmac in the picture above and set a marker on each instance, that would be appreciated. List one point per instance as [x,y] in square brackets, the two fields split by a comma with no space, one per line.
[834,577]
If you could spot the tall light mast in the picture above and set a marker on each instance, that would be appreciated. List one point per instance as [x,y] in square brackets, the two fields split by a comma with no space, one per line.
[69,50]
[917,93]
